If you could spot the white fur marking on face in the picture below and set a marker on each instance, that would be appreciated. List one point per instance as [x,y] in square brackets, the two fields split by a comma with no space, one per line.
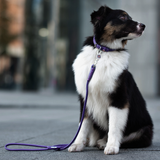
[117,122]
[138,26]
[104,80]
[132,35]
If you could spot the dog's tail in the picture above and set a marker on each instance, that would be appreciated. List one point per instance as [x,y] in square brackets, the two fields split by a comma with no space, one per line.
[139,139]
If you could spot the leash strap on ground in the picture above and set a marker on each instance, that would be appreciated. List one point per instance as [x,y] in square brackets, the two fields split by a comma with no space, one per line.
[58,147]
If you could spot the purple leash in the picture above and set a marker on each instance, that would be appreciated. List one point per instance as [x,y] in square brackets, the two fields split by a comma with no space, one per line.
[61,147]
[58,147]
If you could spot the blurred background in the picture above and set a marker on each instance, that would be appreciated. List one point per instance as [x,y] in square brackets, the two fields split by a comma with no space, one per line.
[39,39]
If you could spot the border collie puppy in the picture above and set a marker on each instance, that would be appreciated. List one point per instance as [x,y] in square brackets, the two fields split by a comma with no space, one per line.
[116,114]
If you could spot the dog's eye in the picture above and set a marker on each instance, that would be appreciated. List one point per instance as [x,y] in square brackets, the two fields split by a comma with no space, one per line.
[123,18]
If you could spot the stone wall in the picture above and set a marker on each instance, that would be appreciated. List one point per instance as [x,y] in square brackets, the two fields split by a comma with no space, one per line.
[144,50]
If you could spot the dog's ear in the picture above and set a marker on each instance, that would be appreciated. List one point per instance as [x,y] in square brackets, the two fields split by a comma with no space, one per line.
[96,16]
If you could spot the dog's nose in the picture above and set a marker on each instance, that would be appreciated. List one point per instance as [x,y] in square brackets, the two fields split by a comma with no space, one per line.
[142,26]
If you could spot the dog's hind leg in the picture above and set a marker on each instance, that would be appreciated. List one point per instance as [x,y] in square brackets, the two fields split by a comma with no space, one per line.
[101,143]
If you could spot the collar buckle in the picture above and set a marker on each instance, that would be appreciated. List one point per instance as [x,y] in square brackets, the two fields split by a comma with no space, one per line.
[98,56]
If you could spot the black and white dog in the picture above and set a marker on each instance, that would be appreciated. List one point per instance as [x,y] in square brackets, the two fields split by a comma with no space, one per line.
[116,114]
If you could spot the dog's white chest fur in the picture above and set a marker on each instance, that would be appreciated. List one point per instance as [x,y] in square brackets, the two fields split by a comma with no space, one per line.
[103,82]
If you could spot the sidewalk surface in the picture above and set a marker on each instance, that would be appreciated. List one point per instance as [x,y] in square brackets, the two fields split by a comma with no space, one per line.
[50,119]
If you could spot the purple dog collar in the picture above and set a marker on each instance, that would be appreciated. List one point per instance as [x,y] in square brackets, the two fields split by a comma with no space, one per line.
[102,48]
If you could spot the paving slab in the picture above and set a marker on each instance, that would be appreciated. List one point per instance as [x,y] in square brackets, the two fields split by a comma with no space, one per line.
[57,125]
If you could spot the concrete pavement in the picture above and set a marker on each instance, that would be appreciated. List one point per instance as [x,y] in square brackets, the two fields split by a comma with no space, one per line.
[49,119]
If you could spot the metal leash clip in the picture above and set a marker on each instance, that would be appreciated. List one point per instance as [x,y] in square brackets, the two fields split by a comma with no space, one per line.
[98,56]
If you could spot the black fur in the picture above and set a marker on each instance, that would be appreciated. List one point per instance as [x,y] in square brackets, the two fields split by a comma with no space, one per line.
[88,41]
[138,118]
[81,99]
[144,141]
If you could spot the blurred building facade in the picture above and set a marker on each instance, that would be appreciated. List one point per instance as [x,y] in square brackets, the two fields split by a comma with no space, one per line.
[54,31]
[144,51]
[11,42]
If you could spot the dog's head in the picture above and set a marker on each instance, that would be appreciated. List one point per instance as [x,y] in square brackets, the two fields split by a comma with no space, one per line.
[114,27]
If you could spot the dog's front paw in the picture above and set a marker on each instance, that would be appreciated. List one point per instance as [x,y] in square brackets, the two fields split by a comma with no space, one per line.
[109,149]
[76,147]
